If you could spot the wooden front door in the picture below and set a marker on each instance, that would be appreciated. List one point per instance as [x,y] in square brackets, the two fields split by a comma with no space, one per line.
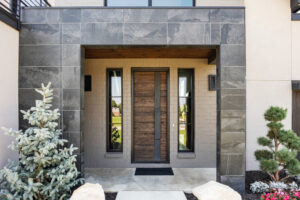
[150,119]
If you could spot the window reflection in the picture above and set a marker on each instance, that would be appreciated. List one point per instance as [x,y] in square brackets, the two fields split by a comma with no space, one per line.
[115,111]
[127,3]
[144,3]
[172,2]
[185,109]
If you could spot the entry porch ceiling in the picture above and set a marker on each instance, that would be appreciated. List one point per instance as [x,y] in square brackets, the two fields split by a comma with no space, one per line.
[150,52]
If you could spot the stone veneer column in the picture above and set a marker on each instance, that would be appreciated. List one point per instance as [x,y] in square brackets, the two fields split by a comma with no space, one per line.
[51,42]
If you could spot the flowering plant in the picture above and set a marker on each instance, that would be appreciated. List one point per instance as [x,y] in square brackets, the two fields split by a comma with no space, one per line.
[281,195]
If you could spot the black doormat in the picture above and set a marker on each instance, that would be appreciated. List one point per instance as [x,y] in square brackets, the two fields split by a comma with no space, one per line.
[154,172]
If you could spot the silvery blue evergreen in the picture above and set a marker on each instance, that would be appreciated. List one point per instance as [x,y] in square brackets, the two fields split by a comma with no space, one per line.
[46,167]
[278,185]
[259,187]
[293,186]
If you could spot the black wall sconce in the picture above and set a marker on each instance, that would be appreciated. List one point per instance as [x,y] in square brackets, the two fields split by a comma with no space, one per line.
[212,82]
[88,83]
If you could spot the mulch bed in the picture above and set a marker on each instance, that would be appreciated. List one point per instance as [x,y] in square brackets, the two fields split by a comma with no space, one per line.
[252,176]
[190,196]
[110,196]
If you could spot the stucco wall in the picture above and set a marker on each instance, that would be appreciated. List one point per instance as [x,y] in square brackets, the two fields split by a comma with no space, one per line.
[95,115]
[272,56]
[9,51]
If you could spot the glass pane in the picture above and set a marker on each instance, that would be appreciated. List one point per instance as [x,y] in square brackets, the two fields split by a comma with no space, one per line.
[116,137]
[185,83]
[185,137]
[127,2]
[185,114]
[172,2]
[115,83]
[116,110]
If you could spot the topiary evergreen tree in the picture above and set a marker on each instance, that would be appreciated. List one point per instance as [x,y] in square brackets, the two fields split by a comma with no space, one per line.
[46,168]
[282,147]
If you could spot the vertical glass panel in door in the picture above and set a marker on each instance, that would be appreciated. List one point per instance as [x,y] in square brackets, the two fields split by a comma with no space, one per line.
[127,3]
[173,3]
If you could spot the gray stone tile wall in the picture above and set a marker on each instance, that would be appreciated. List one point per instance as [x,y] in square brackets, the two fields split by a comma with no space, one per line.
[51,42]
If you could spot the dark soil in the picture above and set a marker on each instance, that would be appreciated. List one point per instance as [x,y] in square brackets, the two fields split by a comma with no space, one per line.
[252,176]
[110,196]
[251,197]
[190,196]
[245,197]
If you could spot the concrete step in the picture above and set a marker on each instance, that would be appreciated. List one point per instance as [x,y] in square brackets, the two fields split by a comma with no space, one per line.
[151,195]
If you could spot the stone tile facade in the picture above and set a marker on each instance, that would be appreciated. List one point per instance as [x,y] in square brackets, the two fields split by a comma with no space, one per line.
[51,42]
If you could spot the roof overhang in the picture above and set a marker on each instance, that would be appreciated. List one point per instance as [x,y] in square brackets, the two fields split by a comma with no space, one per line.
[151,52]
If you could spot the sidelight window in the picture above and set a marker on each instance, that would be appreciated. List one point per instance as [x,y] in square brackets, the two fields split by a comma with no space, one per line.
[114,111]
[186,110]
[154,3]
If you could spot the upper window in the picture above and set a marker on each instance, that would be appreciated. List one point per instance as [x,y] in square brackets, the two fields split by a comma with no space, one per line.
[295,7]
[127,3]
[186,110]
[144,3]
[114,111]
[172,3]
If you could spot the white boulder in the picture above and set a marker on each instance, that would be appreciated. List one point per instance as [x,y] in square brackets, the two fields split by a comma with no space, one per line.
[213,190]
[88,191]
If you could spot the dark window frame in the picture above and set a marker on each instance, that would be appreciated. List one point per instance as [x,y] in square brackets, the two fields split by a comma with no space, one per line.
[109,110]
[150,5]
[192,150]
[295,8]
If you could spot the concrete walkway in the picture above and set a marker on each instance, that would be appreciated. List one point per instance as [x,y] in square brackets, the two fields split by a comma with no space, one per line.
[151,195]
[115,180]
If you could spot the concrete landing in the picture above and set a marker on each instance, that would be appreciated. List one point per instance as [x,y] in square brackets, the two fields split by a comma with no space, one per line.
[151,195]
[115,180]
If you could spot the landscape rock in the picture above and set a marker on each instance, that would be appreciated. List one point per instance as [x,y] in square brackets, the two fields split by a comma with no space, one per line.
[213,190]
[89,191]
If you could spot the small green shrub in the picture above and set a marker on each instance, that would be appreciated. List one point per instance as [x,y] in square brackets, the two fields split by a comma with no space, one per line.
[281,145]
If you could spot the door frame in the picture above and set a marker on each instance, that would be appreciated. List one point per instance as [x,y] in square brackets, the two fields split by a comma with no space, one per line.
[150,69]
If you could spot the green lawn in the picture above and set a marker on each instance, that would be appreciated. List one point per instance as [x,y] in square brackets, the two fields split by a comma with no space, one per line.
[116,120]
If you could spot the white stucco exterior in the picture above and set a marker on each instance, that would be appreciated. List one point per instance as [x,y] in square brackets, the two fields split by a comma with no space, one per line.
[272,56]
[9,51]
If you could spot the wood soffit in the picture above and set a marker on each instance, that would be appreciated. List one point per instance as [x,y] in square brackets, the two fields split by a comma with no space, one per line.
[149,52]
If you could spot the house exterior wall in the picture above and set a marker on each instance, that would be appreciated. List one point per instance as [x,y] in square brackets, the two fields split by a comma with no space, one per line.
[95,115]
[51,42]
[9,50]
[272,57]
